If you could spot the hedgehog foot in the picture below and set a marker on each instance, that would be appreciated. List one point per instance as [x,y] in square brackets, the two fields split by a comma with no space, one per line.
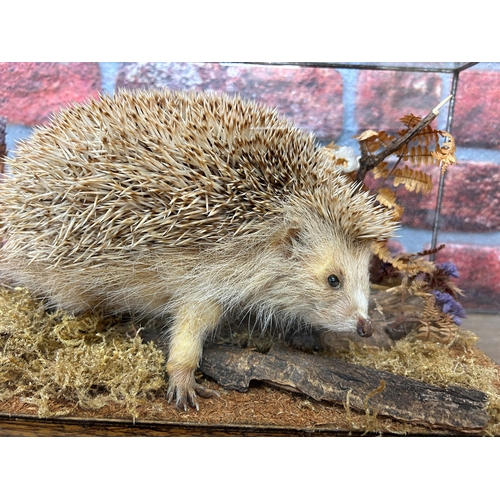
[185,391]
[193,321]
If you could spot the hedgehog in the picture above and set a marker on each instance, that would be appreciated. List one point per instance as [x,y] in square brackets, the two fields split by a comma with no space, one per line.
[192,208]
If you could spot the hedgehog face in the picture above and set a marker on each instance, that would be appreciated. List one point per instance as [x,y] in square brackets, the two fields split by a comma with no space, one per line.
[328,277]
[338,287]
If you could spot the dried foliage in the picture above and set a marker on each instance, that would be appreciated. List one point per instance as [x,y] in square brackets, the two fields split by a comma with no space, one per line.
[414,274]
[387,197]
[445,153]
[413,180]
[436,314]
[429,147]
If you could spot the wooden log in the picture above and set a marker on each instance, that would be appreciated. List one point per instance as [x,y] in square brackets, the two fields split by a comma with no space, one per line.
[361,388]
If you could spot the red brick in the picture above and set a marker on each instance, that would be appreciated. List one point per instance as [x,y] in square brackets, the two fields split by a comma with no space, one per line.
[479,269]
[30,92]
[477,110]
[311,97]
[471,199]
[385,96]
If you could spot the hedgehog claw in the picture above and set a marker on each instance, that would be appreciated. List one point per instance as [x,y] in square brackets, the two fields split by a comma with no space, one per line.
[186,397]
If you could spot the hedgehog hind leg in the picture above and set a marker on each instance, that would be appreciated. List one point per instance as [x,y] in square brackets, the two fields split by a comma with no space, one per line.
[192,324]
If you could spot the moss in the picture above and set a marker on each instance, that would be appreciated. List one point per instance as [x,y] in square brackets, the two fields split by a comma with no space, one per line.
[88,361]
[62,363]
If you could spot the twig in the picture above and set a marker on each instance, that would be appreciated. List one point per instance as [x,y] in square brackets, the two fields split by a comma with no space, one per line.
[368,162]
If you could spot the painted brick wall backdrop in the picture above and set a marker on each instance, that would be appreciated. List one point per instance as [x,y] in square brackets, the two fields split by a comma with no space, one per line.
[336,104]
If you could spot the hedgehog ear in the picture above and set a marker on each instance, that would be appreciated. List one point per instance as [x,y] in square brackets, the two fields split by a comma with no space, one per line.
[286,237]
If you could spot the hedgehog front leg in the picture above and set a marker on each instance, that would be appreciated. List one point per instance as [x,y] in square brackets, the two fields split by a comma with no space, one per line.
[191,326]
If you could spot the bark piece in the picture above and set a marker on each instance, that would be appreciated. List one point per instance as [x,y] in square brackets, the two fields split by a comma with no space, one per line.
[329,379]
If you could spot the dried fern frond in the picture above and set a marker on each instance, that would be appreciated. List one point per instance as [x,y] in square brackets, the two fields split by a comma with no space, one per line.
[447,327]
[425,136]
[372,141]
[455,290]
[382,170]
[410,120]
[408,264]
[445,153]
[420,155]
[430,312]
[430,251]
[430,332]
[387,197]
[381,250]
[369,141]
[417,288]
[413,180]
[435,325]
[340,162]
[413,266]
[367,134]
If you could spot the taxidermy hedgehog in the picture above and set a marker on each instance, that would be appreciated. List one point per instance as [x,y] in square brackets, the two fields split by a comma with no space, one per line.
[193,207]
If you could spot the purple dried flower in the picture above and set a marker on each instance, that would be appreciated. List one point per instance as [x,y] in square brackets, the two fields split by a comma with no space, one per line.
[449,268]
[450,306]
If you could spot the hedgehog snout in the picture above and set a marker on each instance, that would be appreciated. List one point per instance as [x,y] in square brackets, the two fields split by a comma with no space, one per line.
[364,327]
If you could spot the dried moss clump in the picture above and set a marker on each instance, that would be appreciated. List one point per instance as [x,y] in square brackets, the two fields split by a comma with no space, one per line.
[86,361]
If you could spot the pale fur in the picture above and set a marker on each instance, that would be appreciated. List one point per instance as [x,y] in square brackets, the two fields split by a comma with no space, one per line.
[270,255]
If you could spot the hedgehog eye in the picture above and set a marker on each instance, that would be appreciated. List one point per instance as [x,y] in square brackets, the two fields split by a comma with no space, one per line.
[333,281]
